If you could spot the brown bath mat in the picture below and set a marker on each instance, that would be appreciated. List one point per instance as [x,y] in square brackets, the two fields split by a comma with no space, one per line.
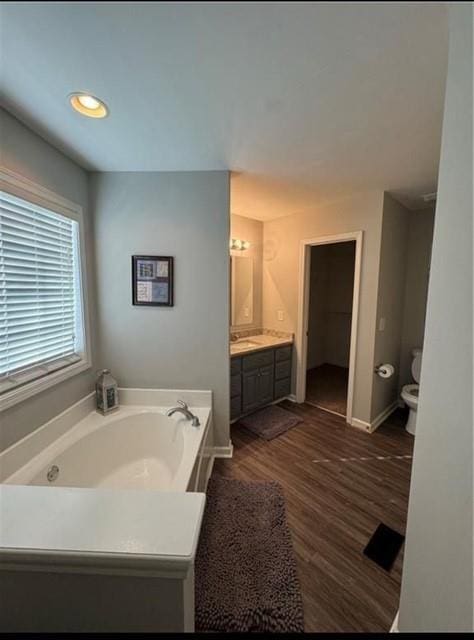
[270,422]
[246,576]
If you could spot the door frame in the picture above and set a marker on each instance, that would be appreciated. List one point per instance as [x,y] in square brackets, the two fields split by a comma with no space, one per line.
[303,312]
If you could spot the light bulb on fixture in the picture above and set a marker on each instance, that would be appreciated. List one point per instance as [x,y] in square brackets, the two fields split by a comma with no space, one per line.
[89,102]
[239,245]
[88,105]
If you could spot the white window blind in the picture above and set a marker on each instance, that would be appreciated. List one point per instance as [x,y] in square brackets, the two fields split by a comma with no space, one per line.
[39,292]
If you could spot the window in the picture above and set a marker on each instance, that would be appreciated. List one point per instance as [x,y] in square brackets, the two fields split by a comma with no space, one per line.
[42,316]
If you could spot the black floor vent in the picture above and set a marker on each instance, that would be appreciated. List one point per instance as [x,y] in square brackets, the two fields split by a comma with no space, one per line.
[383,546]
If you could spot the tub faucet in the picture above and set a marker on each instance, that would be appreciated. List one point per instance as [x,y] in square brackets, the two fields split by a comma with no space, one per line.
[184,409]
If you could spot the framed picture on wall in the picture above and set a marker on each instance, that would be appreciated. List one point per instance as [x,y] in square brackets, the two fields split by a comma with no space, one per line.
[152,281]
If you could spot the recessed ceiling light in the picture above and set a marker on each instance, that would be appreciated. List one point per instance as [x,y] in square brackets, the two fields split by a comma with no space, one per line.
[88,105]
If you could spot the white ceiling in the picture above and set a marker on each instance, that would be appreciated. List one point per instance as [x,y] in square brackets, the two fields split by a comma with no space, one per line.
[305,102]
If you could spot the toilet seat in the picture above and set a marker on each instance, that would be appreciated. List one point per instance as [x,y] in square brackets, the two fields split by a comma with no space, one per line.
[411,392]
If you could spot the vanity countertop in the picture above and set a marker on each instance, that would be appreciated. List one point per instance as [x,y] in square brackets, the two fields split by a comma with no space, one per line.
[244,346]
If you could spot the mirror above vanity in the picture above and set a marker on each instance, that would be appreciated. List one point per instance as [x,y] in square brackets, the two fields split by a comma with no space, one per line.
[241,286]
[245,269]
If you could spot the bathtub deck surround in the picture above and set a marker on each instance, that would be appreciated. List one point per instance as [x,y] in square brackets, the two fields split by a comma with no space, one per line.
[107,530]
[123,507]
[120,551]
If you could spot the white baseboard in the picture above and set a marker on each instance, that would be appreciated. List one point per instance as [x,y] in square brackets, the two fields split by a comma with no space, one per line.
[291,397]
[370,427]
[383,415]
[224,452]
[361,424]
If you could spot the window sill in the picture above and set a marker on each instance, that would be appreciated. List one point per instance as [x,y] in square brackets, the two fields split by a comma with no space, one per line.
[21,393]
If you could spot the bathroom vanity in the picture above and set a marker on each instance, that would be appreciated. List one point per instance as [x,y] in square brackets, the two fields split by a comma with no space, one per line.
[260,372]
[260,358]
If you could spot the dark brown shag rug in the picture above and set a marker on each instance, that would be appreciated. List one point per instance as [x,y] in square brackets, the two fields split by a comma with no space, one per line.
[246,577]
[270,422]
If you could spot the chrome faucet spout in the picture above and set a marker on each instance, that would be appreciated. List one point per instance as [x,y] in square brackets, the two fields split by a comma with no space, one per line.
[184,409]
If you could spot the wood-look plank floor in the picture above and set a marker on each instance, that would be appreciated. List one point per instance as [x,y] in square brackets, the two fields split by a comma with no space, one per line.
[326,387]
[339,484]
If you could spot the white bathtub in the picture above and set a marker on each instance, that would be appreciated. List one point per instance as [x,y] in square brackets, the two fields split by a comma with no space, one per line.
[136,447]
[122,515]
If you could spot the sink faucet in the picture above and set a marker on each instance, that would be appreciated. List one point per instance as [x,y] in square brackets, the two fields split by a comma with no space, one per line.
[184,409]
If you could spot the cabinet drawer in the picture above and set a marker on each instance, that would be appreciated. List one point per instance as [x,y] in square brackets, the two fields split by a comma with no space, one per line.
[283,353]
[282,388]
[235,365]
[256,360]
[282,369]
[235,407]
[235,385]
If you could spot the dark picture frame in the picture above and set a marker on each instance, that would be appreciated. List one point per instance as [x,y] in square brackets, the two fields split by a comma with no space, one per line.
[152,281]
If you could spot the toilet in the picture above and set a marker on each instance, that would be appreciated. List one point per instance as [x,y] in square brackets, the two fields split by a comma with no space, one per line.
[410,391]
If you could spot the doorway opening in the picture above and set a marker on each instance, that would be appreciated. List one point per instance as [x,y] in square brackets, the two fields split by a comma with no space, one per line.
[331,287]
[327,321]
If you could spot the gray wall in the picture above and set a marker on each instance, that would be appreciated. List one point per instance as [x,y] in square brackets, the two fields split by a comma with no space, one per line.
[390,301]
[330,304]
[420,240]
[185,215]
[437,585]
[282,245]
[26,153]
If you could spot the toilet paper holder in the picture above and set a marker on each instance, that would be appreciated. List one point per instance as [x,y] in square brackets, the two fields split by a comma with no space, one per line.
[384,370]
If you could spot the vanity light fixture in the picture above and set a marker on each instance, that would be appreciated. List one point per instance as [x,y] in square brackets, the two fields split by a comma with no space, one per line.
[239,245]
[88,105]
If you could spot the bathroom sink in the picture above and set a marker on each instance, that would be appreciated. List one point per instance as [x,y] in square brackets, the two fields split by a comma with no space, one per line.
[244,344]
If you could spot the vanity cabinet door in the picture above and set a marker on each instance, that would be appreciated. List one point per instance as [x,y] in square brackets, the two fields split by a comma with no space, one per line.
[235,365]
[265,385]
[235,385]
[235,407]
[250,390]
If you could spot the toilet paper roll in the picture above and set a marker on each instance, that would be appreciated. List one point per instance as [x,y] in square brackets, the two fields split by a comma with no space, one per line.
[385,370]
